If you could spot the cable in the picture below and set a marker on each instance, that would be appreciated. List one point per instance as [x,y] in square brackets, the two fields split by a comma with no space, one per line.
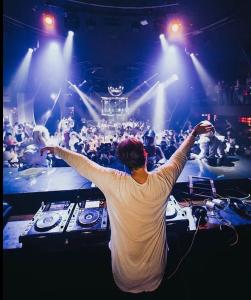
[19,23]
[228,224]
[123,7]
[22,24]
[187,252]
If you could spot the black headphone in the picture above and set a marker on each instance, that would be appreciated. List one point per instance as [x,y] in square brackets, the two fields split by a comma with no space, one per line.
[200,213]
[240,207]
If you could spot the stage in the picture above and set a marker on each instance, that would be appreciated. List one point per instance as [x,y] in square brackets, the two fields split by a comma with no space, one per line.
[67,179]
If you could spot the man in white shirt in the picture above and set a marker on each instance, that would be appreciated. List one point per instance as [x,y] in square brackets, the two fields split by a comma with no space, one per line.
[136,206]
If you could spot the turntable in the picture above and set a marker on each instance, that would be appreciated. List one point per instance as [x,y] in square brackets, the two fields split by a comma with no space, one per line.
[48,224]
[88,218]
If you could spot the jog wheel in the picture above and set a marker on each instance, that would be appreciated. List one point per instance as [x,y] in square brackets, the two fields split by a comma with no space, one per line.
[88,217]
[48,221]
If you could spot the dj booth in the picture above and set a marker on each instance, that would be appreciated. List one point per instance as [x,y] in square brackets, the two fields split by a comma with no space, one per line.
[56,233]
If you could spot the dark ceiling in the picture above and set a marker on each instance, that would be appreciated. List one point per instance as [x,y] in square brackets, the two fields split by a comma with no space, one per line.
[111,45]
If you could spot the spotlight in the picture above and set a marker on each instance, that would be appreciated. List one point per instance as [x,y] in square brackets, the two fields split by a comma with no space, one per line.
[71,33]
[191,54]
[175,30]
[82,83]
[163,42]
[175,27]
[53,96]
[144,22]
[30,50]
[48,19]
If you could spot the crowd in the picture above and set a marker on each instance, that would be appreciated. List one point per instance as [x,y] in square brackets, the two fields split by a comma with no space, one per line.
[22,142]
[222,93]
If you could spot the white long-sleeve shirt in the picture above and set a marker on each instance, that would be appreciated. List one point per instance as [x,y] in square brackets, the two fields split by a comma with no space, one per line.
[137,217]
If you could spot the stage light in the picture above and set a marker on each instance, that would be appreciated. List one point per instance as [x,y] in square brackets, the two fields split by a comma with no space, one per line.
[30,50]
[53,96]
[48,19]
[82,83]
[175,30]
[143,22]
[71,33]
[163,41]
[175,27]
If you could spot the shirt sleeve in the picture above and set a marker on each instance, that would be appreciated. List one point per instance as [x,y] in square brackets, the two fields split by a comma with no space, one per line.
[172,169]
[101,176]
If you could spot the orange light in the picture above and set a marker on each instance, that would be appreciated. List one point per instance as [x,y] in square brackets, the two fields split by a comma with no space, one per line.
[175,27]
[175,30]
[48,21]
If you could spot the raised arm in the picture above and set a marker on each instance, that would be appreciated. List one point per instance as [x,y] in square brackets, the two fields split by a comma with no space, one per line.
[172,169]
[84,166]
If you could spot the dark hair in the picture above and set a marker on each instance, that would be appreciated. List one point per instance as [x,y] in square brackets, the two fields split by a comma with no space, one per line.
[131,153]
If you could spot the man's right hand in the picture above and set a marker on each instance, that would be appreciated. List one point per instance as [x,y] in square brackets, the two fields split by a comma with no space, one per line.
[51,150]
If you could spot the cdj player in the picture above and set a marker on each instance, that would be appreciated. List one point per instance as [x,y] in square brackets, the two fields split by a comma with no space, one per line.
[88,216]
[48,224]
[88,224]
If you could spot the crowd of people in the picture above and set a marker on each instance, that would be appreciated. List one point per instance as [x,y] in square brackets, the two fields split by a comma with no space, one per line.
[99,141]
[222,93]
